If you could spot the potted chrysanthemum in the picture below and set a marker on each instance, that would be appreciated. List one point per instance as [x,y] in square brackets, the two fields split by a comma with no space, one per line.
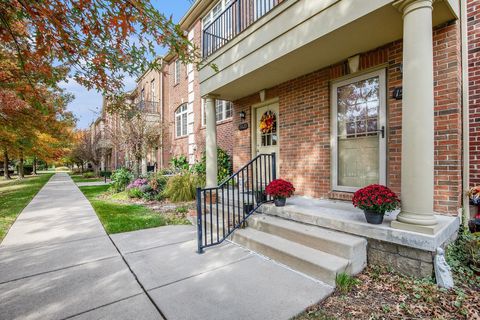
[280,190]
[375,200]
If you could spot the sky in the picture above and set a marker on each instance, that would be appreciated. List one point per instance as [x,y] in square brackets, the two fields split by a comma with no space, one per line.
[87,104]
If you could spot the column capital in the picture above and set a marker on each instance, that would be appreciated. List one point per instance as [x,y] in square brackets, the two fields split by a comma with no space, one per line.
[211,96]
[407,6]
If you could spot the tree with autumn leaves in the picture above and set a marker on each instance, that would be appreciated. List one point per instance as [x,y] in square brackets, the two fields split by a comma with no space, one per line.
[94,42]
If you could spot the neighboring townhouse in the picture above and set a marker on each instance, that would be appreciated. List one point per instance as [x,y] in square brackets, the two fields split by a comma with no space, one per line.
[346,94]
[148,97]
[184,106]
[171,96]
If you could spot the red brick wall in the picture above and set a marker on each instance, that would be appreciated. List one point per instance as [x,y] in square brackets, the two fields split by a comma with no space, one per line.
[177,94]
[304,113]
[473,9]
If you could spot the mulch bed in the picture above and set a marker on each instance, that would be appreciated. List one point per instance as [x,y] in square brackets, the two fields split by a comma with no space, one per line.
[382,294]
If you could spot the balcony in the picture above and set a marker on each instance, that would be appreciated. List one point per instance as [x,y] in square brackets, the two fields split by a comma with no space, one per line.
[236,17]
[148,106]
[291,38]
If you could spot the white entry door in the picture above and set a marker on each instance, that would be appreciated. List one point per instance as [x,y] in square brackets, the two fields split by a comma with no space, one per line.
[359,132]
[267,135]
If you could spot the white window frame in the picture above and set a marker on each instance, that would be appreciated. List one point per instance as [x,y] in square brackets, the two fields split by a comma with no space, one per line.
[181,119]
[382,122]
[176,71]
[224,104]
[153,91]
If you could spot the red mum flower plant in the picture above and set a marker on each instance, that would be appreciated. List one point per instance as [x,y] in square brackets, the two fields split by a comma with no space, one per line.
[376,198]
[280,189]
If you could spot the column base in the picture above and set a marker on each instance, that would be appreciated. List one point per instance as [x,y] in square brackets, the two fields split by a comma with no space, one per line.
[430,230]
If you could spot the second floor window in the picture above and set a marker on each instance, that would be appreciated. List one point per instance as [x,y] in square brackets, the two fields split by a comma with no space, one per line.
[177,71]
[181,121]
[152,90]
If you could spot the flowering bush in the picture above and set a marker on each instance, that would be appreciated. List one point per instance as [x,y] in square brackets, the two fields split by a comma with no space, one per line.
[137,183]
[377,198]
[280,188]
[474,195]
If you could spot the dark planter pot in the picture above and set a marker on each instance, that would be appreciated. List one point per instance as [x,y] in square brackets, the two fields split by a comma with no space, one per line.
[474,225]
[280,202]
[373,217]
[260,197]
[247,208]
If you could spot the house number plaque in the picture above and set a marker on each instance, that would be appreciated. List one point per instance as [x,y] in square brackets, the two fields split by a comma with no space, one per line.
[243,126]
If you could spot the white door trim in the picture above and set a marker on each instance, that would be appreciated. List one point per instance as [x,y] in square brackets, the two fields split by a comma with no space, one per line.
[382,122]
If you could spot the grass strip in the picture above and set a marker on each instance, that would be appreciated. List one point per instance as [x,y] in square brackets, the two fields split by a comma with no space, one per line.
[15,196]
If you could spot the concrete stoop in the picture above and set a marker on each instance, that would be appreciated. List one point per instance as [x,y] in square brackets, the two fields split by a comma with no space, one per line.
[317,252]
[314,251]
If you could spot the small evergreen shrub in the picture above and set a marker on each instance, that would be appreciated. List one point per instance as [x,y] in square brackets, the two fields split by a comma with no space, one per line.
[179,163]
[88,175]
[120,179]
[224,165]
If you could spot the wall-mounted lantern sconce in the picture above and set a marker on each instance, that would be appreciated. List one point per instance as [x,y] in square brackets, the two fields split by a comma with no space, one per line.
[242,115]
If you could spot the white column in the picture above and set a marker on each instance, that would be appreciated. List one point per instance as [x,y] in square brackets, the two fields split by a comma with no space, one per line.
[211,141]
[144,166]
[417,119]
[102,163]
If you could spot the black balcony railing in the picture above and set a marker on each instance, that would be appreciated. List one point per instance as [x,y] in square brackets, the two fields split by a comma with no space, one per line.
[148,106]
[236,17]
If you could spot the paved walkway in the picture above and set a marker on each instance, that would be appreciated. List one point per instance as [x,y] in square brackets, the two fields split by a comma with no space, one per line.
[57,262]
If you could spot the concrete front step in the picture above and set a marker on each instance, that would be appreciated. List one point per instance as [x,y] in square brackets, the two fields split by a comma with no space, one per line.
[343,245]
[315,263]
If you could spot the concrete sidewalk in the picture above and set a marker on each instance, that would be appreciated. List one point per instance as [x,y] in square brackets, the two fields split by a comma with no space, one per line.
[57,262]
[226,282]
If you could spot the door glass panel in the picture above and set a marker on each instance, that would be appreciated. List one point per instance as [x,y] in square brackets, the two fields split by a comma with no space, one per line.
[358,107]
[268,128]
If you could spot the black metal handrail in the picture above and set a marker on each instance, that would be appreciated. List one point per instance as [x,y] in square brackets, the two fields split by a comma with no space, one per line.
[225,208]
[236,17]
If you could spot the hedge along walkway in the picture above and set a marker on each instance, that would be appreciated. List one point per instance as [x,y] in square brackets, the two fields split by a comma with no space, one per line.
[57,262]
[15,195]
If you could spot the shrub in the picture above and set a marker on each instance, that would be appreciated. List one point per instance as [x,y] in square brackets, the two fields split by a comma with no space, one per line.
[182,187]
[224,165]
[134,193]
[180,163]
[88,175]
[107,174]
[120,179]
[280,188]
[463,255]
[377,198]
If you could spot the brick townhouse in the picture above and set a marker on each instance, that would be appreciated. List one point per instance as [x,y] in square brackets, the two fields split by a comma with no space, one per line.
[349,93]
[170,96]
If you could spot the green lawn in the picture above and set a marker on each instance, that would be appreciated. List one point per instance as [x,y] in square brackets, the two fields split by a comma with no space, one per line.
[15,195]
[119,217]
[79,178]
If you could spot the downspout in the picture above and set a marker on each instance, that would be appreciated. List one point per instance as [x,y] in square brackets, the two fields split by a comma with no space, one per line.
[161,117]
[465,113]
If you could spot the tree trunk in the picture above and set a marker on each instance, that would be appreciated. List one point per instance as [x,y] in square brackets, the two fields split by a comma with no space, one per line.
[6,174]
[21,174]
[34,165]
